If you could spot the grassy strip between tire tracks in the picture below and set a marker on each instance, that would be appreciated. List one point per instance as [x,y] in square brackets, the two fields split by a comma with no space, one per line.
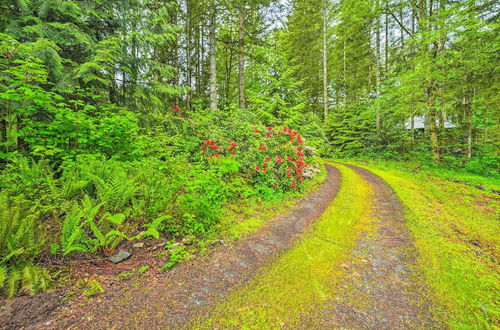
[301,279]
[456,232]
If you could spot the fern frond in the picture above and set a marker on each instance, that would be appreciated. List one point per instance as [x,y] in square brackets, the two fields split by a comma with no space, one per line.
[13,282]
[3,277]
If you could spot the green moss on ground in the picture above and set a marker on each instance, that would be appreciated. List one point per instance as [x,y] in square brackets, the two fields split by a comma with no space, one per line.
[456,233]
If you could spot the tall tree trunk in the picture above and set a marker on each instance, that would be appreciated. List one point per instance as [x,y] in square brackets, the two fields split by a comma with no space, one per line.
[198,59]
[188,56]
[386,71]
[325,62]
[241,55]
[412,129]
[213,63]
[344,60]
[229,72]
[176,58]
[401,31]
[467,104]
[433,132]
[378,73]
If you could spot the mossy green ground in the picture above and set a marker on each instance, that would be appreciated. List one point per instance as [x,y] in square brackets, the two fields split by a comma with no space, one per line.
[456,232]
[300,280]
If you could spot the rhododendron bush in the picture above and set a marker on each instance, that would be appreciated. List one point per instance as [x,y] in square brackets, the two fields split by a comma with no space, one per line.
[270,157]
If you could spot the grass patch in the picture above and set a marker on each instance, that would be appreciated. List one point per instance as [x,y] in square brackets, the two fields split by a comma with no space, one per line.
[488,182]
[456,232]
[300,280]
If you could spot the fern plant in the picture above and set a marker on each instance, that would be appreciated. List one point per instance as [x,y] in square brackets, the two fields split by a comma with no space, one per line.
[28,279]
[105,180]
[19,234]
[82,233]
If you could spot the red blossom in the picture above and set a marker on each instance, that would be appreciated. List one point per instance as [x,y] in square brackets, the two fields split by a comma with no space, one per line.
[299,149]
[275,185]
[180,117]
[298,170]
[256,131]
[290,158]
[268,133]
[262,147]
[265,164]
[268,159]
[270,128]
[176,109]
[289,174]
[257,167]
[233,151]
[300,178]
[264,170]
[294,186]
[203,152]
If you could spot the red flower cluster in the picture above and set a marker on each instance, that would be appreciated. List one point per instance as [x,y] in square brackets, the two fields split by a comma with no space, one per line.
[216,149]
[295,162]
[210,144]
[177,109]
[293,135]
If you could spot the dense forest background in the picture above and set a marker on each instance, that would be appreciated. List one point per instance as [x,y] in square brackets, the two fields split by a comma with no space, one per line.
[146,116]
[374,78]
